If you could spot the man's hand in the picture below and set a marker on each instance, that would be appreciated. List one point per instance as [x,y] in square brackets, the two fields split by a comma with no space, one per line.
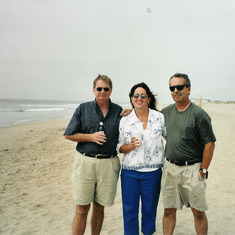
[202,174]
[99,138]
[125,112]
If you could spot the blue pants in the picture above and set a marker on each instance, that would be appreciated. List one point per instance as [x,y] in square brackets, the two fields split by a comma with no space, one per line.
[135,186]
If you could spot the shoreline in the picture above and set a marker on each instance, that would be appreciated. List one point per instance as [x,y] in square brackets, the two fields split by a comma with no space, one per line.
[35,189]
[68,116]
[32,124]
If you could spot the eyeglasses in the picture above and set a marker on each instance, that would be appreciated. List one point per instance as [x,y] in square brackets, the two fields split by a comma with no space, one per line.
[179,87]
[106,89]
[142,96]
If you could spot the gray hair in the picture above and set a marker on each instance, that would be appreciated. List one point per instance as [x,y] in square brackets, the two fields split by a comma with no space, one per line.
[181,75]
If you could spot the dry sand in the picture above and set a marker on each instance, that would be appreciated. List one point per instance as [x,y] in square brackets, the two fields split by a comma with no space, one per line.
[35,189]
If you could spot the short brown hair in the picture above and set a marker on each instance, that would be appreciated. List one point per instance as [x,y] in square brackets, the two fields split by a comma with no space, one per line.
[104,78]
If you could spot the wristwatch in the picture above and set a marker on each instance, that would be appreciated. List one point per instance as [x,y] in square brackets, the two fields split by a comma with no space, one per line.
[204,171]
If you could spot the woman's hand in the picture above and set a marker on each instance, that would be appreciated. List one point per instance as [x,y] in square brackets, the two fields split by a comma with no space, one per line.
[135,142]
[126,148]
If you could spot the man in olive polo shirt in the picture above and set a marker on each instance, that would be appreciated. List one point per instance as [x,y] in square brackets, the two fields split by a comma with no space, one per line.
[189,150]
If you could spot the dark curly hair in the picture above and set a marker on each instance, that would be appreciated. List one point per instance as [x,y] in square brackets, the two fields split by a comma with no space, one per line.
[153,100]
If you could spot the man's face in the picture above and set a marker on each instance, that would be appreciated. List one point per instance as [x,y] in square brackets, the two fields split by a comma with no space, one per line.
[179,96]
[102,95]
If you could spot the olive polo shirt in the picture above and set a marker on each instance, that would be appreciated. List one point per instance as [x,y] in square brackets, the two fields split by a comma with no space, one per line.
[187,132]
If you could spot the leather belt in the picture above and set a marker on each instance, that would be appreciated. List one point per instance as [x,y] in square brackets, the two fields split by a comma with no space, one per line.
[186,163]
[99,156]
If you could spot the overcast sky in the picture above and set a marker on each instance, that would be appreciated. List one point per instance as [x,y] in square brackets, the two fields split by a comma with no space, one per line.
[53,49]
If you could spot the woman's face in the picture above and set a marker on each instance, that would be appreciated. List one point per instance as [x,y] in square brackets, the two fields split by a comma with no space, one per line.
[140,98]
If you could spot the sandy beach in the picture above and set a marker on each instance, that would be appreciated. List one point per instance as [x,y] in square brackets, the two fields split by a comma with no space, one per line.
[35,189]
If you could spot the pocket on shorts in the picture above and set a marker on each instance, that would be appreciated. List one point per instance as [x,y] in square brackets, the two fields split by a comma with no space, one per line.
[199,176]
[116,164]
[78,163]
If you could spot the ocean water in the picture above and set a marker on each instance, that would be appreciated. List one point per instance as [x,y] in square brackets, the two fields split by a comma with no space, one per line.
[19,111]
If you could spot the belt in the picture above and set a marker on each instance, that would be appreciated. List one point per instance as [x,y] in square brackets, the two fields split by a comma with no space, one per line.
[186,163]
[99,156]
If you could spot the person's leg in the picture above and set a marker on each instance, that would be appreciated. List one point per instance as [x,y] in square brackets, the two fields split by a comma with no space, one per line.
[80,219]
[107,175]
[130,201]
[200,222]
[97,218]
[150,190]
[169,221]
[198,202]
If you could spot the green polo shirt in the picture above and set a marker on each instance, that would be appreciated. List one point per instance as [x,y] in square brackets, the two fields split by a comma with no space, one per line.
[187,132]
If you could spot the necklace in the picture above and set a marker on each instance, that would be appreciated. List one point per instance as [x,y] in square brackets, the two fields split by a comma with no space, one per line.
[143,119]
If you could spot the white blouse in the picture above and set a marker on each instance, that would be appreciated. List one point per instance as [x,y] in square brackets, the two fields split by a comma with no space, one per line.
[150,155]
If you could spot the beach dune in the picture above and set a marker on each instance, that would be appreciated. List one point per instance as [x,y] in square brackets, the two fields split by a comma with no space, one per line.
[35,187]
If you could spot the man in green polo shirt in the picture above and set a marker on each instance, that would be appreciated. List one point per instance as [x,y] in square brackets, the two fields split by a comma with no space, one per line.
[189,150]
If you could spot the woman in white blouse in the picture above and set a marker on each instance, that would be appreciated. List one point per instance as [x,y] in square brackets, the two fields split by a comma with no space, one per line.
[140,139]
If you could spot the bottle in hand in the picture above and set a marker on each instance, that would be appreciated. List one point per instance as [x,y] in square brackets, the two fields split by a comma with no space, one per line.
[101,127]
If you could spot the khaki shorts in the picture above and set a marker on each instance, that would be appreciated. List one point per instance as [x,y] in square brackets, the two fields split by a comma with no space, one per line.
[95,179]
[183,185]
